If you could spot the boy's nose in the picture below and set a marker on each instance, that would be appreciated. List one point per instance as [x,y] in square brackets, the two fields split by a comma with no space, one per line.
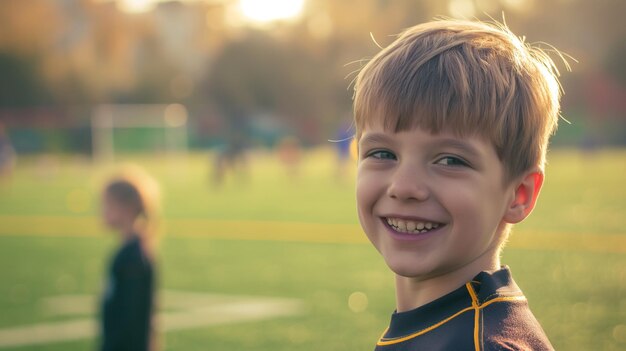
[408,184]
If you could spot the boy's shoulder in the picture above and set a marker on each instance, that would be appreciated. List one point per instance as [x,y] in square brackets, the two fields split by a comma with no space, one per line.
[488,313]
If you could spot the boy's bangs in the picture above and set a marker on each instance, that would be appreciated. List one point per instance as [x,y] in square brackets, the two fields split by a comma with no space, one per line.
[467,79]
[436,97]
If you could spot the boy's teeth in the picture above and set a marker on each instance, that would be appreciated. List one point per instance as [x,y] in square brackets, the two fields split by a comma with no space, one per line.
[411,227]
[402,225]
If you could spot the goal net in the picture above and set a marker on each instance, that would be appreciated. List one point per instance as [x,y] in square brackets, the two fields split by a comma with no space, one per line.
[151,128]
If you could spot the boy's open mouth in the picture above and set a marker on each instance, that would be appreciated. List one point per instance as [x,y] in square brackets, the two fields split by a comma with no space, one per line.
[411,227]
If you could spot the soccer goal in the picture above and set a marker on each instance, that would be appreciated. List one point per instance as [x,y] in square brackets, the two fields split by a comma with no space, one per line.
[162,127]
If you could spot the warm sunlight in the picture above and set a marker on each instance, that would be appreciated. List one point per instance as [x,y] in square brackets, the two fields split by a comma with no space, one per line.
[136,6]
[264,11]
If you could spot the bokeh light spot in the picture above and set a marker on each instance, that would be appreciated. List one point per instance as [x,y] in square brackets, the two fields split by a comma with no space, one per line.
[357,302]
[175,115]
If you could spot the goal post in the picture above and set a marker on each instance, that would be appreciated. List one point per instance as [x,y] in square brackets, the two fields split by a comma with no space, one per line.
[105,119]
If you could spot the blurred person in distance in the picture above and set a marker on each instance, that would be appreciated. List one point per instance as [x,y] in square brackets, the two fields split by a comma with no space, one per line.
[130,207]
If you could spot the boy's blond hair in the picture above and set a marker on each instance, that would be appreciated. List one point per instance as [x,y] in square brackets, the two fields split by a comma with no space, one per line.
[469,78]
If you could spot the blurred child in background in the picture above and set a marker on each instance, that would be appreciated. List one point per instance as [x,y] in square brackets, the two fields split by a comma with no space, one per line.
[130,208]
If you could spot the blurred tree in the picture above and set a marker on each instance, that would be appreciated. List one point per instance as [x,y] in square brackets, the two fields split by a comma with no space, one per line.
[21,83]
[259,73]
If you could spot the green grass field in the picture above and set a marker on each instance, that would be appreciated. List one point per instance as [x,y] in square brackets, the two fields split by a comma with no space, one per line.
[265,234]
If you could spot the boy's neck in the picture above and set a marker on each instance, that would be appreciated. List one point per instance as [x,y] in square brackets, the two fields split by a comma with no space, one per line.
[412,293]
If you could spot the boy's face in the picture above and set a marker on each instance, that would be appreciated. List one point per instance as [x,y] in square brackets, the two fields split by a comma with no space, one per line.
[430,203]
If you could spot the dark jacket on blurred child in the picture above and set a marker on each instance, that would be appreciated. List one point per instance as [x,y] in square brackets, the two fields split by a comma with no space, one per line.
[128,300]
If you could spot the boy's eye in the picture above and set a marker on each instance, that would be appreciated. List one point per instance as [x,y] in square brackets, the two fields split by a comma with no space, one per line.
[382,155]
[451,161]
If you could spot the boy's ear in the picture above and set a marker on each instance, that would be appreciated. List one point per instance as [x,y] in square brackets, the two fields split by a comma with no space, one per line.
[526,194]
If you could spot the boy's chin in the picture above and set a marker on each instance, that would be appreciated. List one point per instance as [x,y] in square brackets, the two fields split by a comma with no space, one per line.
[409,268]
[410,273]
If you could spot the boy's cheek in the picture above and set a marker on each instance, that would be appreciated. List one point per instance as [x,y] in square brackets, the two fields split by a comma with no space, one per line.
[361,211]
[364,194]
[368,225]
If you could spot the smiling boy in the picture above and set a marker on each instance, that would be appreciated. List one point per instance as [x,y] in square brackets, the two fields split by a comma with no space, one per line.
[453,121]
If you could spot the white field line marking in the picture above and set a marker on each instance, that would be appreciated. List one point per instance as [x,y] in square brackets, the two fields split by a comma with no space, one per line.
[183,310]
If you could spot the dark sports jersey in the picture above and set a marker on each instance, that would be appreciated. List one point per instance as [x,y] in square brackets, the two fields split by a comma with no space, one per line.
[128,300]
[488,313]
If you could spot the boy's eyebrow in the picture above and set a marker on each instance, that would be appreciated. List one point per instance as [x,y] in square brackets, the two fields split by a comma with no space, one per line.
[375,138]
